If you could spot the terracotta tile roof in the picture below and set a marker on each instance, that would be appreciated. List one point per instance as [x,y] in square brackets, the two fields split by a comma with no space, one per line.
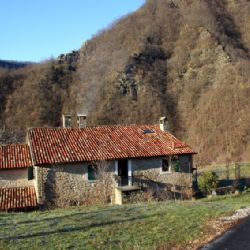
[17,198]
[63,145]
[15,156]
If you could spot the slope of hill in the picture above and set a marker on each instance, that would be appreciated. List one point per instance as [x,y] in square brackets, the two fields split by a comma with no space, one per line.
[188,60]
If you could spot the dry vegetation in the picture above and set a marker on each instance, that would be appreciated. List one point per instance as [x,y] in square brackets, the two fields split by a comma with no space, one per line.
[185,59]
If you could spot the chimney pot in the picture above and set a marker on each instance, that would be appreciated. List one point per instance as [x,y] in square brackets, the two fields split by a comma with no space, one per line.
[164,123]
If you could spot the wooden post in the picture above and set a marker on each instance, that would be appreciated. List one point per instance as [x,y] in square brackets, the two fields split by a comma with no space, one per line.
[227,166]
[239,170]
[129,172]
[235,171]
[196,174]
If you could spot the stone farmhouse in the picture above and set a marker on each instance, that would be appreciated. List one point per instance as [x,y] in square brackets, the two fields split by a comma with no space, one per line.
[99,164]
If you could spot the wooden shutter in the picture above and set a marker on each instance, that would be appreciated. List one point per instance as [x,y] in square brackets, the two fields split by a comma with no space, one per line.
[91,173]
[30,173]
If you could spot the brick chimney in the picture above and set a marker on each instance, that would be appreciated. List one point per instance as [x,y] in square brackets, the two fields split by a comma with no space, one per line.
[74,121]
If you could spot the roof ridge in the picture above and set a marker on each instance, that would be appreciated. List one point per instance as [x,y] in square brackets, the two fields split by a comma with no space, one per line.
[15,144]
[97,126]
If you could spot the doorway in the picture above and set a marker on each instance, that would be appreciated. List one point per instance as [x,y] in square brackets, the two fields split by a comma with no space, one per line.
[123,172]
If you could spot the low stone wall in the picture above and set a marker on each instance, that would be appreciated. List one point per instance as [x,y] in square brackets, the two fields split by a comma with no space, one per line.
[15,178]
[65,185]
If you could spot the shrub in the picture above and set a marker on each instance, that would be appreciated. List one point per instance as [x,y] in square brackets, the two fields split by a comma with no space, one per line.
[208,181]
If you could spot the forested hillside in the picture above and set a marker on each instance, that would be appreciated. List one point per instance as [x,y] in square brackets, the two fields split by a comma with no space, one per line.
[186,59]
[12,64]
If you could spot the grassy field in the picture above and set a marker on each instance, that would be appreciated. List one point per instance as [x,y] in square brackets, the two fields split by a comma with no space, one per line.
[140,226]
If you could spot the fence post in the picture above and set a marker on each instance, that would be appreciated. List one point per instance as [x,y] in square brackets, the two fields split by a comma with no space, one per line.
[227,166]
[237,171]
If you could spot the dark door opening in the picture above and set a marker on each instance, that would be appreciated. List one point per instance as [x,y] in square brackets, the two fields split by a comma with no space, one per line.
[123,172]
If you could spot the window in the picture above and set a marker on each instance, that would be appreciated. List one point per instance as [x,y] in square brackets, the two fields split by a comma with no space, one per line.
[175,163]
[67,121]
[30,173]
[134,92]
[91,172]
[81,121]
[165,165]
[148,131]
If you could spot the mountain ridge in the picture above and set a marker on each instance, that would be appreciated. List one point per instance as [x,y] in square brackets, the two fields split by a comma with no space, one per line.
[187,60]
[11,64]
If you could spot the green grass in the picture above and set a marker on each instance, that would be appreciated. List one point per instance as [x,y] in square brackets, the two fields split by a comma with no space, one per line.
[141,226]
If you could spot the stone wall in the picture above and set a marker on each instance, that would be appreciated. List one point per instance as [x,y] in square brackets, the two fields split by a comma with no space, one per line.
[186,163]
[64,185]
[152,169]
[15,178]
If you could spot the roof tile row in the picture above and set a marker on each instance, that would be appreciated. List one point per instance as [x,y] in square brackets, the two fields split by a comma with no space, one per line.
[15,156]
[63,145]
[17,198]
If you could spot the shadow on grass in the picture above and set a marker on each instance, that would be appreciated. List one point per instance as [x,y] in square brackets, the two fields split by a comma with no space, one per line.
[87,215]
[75,229]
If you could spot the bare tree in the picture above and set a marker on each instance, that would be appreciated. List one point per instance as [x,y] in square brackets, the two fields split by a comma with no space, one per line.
[104,180]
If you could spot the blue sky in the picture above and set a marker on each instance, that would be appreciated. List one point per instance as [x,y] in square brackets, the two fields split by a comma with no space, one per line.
[36,30]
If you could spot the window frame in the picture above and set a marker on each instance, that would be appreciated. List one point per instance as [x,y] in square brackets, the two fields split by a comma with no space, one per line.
[175,160]
[168,159]
[67,123]
[94,169]
[81,121]
[30,173]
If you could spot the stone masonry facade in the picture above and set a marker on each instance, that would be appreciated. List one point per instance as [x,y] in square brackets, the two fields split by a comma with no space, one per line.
[68,184]
[180,182]
[64,185]
[152,168]
[15,178]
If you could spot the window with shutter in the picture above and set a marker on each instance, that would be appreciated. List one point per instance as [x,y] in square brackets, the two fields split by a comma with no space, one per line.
[91,172]
[30,173]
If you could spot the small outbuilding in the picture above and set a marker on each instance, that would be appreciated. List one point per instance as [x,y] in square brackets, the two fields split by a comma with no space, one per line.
[16,178]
